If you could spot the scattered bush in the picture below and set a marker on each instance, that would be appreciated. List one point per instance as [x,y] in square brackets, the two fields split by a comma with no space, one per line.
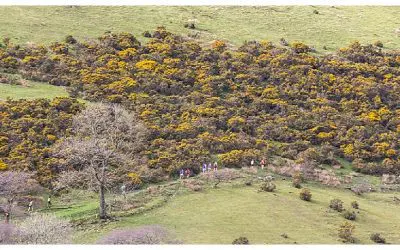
[355,205]
[44,229]
[147,34]
[346,232]
[248,182]
[305,194]
[378,44]
[283,42]
[147,235]
[336,204]
[349,215]
[70,39]
[315,12]
[268,186]
[297,179]
[190,25]
[377,238]
[241,241]
[299,47]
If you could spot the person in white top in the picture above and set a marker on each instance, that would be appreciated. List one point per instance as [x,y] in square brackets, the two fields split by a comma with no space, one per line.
[30,206]
[48,202]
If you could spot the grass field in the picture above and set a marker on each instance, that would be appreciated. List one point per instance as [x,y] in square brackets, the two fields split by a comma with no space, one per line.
[333,27]
[223,214]
[33,91]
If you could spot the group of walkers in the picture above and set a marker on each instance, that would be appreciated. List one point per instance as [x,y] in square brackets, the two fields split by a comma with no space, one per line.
[208,167]
[30,205]
[263,162]
[185,173]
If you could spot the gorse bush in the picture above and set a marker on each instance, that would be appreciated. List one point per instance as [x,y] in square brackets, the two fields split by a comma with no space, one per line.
[355,205]
[241,241]
[305,194]
[336,204]
[297,179]
[349,215]
[268,186]
[345,232]
[377,238]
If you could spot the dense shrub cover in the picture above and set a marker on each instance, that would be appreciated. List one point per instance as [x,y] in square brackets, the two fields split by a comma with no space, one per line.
[206,103]
[27,131]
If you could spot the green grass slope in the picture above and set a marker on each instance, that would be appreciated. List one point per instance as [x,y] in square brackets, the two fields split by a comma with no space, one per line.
[33,91]
[217,216]
[333,27]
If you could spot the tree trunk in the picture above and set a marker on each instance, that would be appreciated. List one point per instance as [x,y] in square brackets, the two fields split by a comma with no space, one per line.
[103,212]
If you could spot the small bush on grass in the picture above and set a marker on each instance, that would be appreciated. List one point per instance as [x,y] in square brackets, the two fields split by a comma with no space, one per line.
[268,186]
[241,241]
[297,179]
[378,44]
[336,205]
[355,205]
[349,215]
[190,25]
[377,238]
[345,232]
[305,194]
[147,34]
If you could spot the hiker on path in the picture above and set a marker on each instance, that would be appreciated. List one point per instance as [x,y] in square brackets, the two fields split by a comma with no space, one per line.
[204,167]
[7,215]
[262,163]
[123,190]
[30,206]
[252,162]
[181,174]
[209,167]
[188,172]
[215,166]
[49,202]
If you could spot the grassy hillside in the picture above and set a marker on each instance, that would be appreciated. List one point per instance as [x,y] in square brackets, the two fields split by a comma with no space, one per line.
[333,27]
[33,91]
[223,214]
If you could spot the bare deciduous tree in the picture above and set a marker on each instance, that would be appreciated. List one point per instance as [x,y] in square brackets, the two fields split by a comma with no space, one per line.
[14,184]
[105,136]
